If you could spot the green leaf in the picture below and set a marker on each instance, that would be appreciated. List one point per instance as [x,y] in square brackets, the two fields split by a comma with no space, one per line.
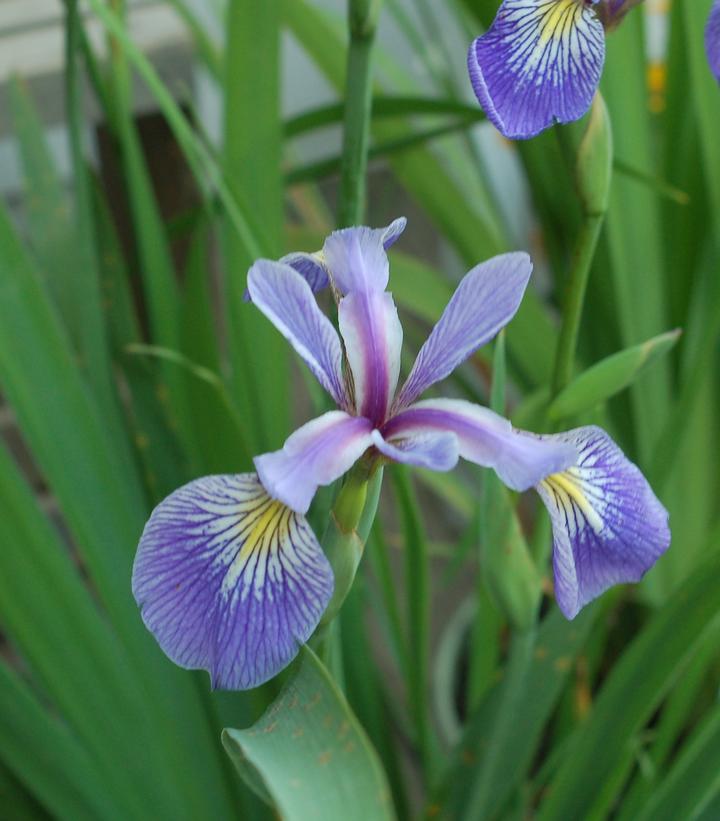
[641,678]
[694,780]
[558,643]
[383,107]
[309,756]
[44,756]
[609,376]
[252,168]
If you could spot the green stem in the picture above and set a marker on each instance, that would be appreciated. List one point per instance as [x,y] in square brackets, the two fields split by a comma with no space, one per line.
[344,540]
[574,300]
[593,162]
[362,17]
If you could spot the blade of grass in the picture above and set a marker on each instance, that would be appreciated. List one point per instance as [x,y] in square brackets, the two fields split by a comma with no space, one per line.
[636,685]
[251,167]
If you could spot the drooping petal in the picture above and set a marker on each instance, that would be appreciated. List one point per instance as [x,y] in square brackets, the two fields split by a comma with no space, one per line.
[435,451]
[483,303]
[520,459]
[608,525]
[229,580]
[539,62]
[287,301]
[316,454]
[357,260]
[372,332]
[712,39]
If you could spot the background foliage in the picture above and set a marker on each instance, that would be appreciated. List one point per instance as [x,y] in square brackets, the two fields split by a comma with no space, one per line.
[130,369]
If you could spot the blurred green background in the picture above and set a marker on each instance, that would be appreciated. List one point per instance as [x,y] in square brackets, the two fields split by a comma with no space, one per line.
[148,154]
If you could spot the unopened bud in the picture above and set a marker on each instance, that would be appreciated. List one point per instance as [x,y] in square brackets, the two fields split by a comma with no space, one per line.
[593,171]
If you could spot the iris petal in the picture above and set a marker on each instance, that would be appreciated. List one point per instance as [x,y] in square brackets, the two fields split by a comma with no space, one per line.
[316,454]
[229,580]
[373,335]
[434,451]
[608,526]
[539,62]
[310,267]
[287,301]
[712,39]
[357,260]
[483,303]
[520,459]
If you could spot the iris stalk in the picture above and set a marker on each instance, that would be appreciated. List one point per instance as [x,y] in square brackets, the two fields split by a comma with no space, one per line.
[362,21]
[593,175]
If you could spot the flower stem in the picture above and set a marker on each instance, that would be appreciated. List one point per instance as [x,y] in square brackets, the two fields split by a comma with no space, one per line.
[574,301]
[362,21]
[593,174]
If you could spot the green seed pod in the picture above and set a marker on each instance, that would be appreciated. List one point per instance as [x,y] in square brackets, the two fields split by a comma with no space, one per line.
[593,171]
[347,531]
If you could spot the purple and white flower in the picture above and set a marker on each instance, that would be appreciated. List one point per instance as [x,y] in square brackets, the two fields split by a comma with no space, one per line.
[712,39]
[229,575]
[540,61]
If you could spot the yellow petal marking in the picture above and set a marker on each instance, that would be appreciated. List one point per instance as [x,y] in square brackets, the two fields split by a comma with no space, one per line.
[558,18]
[570,491]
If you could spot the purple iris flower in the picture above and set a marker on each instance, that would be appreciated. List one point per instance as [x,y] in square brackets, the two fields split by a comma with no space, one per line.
[229,575]
[540,61]
[712,39]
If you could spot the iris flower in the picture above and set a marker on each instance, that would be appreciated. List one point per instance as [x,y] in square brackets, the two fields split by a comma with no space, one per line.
[229,575]
[540,61]
[712,39]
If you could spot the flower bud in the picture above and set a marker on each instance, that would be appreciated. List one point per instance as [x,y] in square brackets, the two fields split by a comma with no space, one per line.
[593,171]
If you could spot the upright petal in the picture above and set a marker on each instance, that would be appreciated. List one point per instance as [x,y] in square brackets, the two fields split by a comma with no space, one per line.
[229,580]
[313,268]
[357,260]
[484,302]
[316,454]
[287,301]
[372,332]
[608,526]
[520,459]
[540,61]
[391,233]
[712,39]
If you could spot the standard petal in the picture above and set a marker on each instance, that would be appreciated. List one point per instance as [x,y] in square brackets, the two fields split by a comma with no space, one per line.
[520,459]
[435,451]
[229,580]
[372,332]
[539,62]
[608,525]
[391,233]
[357,260]
[313,268]
[287,301]
[483,303]
[316,454]
[712,39]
